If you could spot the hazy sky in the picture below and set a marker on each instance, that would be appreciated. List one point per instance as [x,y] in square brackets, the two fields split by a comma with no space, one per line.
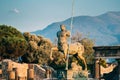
[31,15]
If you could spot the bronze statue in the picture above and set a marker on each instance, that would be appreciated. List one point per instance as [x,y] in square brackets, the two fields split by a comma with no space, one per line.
[63,46]
[63,36]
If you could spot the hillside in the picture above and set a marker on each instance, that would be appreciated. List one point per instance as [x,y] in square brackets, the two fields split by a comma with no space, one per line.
[104,29]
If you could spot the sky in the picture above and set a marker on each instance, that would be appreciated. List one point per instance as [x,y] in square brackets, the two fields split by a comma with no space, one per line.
[32,15]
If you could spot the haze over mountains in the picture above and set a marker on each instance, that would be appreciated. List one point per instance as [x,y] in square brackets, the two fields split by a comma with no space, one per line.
[104,29]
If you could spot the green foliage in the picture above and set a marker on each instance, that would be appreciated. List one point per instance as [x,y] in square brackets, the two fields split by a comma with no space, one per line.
[12,42]
[76,37]
[88,45]
[38,49]
[103,62]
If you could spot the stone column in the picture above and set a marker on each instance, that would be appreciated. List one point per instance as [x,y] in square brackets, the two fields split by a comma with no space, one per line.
[30,66]
[11,75]
[0,74]
[9,67]
[97,69]
[16,73]
[30,74]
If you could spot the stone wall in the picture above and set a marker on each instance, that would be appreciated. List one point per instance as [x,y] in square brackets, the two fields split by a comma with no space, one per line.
[8,65]
[21,71]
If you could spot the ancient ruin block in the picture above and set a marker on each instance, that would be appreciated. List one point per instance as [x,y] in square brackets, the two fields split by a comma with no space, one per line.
[30,74]
[11,75]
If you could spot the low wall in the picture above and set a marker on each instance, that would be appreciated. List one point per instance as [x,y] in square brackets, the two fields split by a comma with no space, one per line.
[21,70]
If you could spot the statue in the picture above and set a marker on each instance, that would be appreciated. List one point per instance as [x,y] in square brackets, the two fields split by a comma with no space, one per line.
[71,49]
[62,36]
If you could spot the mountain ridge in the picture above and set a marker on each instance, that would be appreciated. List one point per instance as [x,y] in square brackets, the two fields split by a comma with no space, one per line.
[105,28]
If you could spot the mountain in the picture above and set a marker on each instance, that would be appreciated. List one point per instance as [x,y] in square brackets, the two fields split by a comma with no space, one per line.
[104,29]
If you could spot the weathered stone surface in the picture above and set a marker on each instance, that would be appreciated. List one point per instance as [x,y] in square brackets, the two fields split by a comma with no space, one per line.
[21,70]
[0,71]
[108,69]
[75,71]
[8,65]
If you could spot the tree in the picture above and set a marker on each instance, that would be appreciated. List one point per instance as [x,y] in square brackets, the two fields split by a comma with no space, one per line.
[102,62]
[12,42]
[88,45]
[77,37]
[38,49]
